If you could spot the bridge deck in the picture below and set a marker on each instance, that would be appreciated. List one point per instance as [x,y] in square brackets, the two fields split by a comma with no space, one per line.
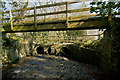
[63,23]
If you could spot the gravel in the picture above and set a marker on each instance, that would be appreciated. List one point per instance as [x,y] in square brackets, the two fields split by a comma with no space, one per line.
[49,67]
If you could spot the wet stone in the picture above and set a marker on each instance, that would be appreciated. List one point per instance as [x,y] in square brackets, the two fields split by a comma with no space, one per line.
[49,66]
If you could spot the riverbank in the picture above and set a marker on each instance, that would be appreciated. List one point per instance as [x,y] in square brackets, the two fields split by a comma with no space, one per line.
[50,66]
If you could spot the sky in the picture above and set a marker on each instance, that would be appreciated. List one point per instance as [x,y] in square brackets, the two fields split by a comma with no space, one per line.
[31,4]
[71,6]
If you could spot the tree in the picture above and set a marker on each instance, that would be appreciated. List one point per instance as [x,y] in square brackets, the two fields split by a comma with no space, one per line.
[106,8]
[110,60]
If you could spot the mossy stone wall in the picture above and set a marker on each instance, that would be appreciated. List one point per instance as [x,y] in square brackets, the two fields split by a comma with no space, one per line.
[15,49]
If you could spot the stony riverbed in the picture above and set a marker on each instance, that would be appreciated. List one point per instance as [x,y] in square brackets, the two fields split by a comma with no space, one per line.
[50,67]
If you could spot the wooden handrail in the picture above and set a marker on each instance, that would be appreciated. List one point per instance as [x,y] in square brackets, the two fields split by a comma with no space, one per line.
[79,10]
[51,13]
[42,6]
[66,19]
[71,18]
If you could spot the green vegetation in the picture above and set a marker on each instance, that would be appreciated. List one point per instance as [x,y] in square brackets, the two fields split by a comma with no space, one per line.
[110,60]
[15,47]
[7,43]
[103,52]
[106,8]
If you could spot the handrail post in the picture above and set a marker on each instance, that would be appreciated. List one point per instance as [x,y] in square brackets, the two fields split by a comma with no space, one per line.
[11,23]
[35,22]
[2,18]
[66,14]
[44,18]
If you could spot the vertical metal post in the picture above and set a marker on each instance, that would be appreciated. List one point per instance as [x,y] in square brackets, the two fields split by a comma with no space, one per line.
[11,23]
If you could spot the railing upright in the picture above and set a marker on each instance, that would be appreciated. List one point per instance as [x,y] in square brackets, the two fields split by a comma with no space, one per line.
[66,14]
[35,21]
[11,23]
[2,18]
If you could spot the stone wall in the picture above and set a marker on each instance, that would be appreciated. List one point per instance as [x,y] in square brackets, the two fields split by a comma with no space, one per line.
[110,62]
[105,53]
[16,48]
[85,55]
